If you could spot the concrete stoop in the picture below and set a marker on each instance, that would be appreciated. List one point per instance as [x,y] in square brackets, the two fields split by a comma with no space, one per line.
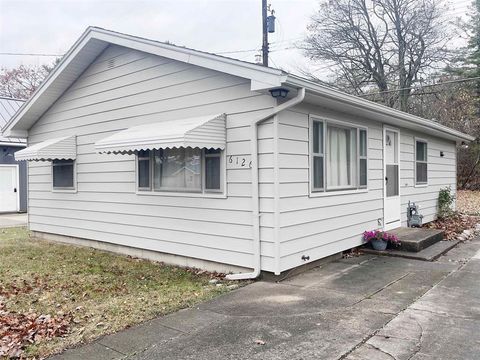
[415,240]
[418,244]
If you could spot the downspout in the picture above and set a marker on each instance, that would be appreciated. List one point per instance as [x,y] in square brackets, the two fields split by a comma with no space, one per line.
[255,195]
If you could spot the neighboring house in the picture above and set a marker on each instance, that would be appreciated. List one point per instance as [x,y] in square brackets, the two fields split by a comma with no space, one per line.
[13,174]
[272,183]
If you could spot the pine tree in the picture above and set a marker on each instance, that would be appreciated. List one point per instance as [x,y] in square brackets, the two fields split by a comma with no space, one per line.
[468,62]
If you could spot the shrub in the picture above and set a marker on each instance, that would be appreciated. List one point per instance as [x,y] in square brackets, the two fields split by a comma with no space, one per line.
[445,202]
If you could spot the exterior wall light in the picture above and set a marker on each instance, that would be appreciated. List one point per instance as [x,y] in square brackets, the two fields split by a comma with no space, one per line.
[279,93]
[442,154]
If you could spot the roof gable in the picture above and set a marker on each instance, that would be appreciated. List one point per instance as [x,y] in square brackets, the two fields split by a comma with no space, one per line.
[95,40]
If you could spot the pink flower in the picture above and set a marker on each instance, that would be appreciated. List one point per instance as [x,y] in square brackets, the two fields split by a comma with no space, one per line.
[380,235]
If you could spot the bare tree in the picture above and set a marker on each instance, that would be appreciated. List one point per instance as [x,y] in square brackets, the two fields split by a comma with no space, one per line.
[21,82]
[379,45]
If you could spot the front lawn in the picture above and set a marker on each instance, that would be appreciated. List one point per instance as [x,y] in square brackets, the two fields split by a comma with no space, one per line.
[54,296]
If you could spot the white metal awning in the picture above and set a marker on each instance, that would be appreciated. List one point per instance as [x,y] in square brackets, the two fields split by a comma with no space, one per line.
[64,148]
[199,132]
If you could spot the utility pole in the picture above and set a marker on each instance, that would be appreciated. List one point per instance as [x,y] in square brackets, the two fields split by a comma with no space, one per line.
[265,33]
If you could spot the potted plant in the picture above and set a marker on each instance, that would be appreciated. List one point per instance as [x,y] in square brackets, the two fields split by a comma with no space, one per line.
[380,239]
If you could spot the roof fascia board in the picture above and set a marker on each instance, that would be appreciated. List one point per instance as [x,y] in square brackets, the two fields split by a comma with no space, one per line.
[261,77]
[12,144]
[355,101]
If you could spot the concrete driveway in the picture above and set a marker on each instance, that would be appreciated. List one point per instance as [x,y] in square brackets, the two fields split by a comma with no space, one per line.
[364,308]
[11,220]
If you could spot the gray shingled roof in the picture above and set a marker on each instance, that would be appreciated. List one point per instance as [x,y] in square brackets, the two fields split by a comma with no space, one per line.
[8,107]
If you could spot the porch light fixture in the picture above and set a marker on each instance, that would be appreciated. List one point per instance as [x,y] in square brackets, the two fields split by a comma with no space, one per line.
[442,154]
[279,93]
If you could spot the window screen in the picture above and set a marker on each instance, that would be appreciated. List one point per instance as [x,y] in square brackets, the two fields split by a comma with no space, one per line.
[212,170]
[318,157]
[363,144]
[421,162]
[143,169]
[63,174]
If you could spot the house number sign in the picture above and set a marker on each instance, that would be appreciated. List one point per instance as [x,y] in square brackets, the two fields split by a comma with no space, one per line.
[239,162]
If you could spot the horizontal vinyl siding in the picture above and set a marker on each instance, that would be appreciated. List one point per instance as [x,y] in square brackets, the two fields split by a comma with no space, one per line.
[441,173]
[123,88]
[321,226]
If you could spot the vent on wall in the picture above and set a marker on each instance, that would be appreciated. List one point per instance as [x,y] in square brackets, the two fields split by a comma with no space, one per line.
[111,63]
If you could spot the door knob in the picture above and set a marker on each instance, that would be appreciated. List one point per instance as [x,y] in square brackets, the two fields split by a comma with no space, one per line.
[386,179]
[15,190]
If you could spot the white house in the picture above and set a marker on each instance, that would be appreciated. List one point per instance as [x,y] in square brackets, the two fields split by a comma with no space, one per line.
[165,152]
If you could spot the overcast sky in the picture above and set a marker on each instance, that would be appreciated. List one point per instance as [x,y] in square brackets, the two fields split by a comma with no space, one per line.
[39,26]
[221,26]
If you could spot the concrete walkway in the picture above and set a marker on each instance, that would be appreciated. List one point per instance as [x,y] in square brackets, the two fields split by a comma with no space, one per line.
[12,220]
[368,308]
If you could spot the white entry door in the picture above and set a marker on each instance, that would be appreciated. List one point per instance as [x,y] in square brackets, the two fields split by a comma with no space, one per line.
[9,199]
[391,170]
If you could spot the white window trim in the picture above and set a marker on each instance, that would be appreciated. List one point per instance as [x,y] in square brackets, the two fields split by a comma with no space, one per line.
[204,193]
[415,140]
[341,190]
[65,190]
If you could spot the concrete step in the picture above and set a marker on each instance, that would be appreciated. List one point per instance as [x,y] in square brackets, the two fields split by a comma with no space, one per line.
[415,240]
[429,254]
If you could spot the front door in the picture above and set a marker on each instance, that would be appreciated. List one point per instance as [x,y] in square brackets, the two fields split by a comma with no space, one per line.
[8,188]
[392,202]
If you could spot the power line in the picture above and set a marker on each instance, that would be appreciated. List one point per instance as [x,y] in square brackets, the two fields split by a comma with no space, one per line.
[236,51]
[423,86]
[28,54]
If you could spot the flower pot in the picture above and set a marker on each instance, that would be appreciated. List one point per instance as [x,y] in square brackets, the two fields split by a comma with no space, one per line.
[379,244]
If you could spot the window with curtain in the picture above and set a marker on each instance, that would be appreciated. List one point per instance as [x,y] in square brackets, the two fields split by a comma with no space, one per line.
[421,162]
[180,170]
[339,156]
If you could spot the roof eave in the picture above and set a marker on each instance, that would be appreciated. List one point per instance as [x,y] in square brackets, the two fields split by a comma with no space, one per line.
[357,102]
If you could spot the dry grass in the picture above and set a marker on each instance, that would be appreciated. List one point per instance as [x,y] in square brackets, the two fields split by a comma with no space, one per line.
[99,292]
[468,202]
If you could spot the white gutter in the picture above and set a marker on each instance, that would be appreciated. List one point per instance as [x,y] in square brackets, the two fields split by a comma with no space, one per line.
[255,196]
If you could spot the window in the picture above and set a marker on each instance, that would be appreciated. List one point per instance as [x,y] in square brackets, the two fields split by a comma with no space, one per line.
[63,174]
[180,170]
[212,170]
[363,158]
[144,170]
[339,156]
[421,163]
[318,158]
